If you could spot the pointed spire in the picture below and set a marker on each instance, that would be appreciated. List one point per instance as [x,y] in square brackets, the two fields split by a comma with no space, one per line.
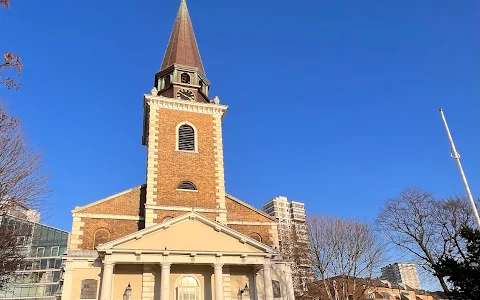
[182,47]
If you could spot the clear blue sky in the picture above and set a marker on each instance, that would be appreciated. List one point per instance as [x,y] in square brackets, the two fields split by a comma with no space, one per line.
[333,103]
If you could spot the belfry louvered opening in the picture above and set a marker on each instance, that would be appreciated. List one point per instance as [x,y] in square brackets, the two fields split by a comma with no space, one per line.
[187,185]
[186,138]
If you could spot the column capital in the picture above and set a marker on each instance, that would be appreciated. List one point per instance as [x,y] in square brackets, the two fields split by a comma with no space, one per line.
[267,266]
[218,265]
[108,264]
[166,265]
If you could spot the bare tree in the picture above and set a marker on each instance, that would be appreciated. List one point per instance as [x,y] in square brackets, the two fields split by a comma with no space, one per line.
[11,66]
[23,186]
[22,180]
[345,254]
[294,247]
[424,227]
[15,233]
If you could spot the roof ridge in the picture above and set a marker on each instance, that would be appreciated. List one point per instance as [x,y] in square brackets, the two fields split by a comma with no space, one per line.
[250,206]
[180,218]
[77,208]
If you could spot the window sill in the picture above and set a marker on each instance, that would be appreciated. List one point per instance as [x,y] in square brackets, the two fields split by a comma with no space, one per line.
[179,190]
[187,151]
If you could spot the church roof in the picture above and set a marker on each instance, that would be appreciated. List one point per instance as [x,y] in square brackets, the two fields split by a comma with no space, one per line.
[231,197]
[182,47]
[193,233]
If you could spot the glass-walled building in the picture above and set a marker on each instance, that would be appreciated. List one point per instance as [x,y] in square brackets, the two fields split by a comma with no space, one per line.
[39,274]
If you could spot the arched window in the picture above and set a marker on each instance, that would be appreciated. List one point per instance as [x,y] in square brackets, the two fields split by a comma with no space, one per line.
[101,236]
[166,82]
[185,78]
[186,138]
[188,288]
[255,236]
[186,185]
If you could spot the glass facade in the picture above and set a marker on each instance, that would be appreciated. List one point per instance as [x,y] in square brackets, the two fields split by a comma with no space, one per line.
[39,275]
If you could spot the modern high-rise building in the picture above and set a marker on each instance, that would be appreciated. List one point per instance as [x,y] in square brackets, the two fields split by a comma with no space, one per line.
[293,238]
[39,274]
[405,273]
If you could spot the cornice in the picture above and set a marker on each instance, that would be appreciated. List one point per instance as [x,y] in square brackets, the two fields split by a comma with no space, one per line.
[182,105]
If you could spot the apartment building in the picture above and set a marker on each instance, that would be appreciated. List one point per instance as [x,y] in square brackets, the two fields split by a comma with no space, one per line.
[39,275]
[402,273]
[293,238]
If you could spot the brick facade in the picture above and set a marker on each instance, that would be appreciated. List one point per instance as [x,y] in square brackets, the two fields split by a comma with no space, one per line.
[249,230]
[238,212]
[153,202]
[174,166]
[162,215]
[116,228]
[129,204]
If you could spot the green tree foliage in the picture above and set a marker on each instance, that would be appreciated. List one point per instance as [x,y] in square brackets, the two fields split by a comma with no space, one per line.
[463,270]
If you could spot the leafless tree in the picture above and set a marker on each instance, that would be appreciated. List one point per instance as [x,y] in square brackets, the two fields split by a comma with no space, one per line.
[345,254]
[11,66]
[22,180]
[294,247]
[424,227]
[14,233]
[23,186]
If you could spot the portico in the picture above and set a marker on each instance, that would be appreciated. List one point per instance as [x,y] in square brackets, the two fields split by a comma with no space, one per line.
[192,258]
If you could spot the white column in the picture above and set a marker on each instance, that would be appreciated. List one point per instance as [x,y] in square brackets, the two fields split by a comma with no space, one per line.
[107,280]
[289,282]
[67,283]
[218,281]
[165,281]
[267,281]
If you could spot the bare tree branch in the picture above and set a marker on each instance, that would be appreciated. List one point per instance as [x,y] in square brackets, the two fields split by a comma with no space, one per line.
[11,66]
[425,227]
[344,252]
[23,186]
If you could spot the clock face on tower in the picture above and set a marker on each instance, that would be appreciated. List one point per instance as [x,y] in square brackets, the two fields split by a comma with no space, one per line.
[185,94]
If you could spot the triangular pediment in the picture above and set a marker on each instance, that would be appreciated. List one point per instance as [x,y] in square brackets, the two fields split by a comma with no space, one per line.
[191,232]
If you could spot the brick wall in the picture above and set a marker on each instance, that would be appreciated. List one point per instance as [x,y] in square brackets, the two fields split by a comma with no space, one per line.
[130,203]
[239,212]
[117,229]
[262,230]
[175,166]
[162,214]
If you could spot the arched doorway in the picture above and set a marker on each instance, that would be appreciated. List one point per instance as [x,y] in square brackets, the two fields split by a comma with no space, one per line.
[187,288]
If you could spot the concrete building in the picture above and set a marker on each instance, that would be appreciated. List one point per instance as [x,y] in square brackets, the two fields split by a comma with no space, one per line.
[402,273]
[180,235]
[39,276]
[293,238]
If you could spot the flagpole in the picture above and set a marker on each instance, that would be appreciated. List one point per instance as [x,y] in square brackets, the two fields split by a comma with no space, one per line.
[456,156]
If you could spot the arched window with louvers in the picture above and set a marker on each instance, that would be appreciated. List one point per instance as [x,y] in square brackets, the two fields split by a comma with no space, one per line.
[186,186]
[186,137]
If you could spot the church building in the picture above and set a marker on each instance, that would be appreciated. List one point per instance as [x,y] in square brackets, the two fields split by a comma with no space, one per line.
[179,236]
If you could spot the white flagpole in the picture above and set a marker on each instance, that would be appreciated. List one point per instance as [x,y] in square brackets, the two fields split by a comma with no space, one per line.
[456,156]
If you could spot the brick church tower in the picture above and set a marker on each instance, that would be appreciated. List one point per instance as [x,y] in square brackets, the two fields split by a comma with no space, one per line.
[183,134]
[180,229]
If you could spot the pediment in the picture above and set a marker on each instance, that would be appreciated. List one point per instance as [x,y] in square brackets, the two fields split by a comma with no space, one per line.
[191,232]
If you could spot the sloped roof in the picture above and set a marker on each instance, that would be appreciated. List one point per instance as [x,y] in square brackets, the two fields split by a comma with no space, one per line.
[177,220]
[229,196]
[182,47]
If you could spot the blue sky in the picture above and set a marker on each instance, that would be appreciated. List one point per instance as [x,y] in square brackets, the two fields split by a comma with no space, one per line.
[333,103]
